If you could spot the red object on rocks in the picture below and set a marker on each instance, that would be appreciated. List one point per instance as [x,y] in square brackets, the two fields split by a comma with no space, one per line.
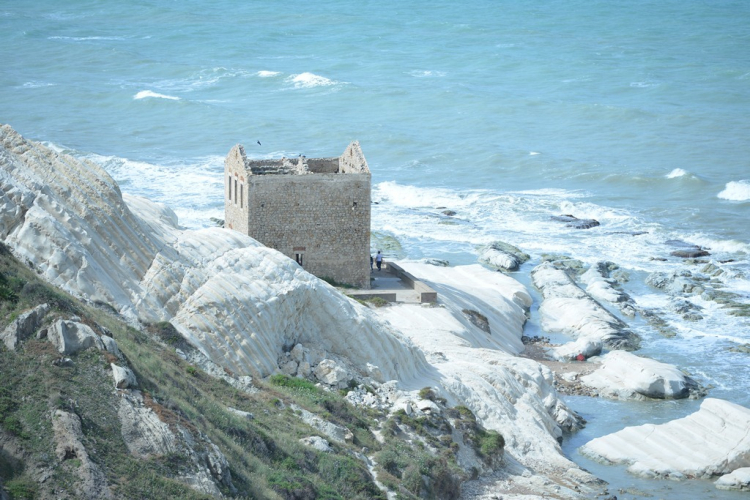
[581,357]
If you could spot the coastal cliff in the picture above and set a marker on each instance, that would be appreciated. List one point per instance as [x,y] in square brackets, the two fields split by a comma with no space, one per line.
[241,312]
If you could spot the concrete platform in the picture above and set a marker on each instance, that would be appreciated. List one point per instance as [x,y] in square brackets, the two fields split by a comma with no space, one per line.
[393,284]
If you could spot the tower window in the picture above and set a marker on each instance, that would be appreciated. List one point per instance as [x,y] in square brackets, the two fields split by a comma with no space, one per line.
[230,188]
[298,258]
[241,186]
[235,191]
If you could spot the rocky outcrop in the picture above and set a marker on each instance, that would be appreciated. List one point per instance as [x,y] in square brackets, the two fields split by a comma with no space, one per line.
[578,350]
[623,375]
[574,222]
[146,435]
[71,337]
[92,482]
[686,250]
[503,256]
[712,441]
[602,287]
[568,309]
[738,480]
[334,432]
[515,396]
[318,443]
[124,377]
[24,326]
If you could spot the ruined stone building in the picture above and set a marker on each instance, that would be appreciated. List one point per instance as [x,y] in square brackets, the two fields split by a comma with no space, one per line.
[314,210]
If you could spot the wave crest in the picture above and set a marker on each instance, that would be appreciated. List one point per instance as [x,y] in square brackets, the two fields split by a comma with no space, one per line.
[143,94]
[736,191]
[678,172]
[309,80]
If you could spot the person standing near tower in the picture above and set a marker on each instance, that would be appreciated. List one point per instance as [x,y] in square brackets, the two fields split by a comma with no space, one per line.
[379,259]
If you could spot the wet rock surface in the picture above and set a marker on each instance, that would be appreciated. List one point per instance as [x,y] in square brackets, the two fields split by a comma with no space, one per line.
[574,222]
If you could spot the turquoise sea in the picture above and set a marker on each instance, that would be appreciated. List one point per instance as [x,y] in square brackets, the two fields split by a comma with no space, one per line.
[634,114]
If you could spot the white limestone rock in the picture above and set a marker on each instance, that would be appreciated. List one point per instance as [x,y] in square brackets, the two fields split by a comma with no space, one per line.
[237,301]
[512,395]
[427,406]
[503,256]
[334,432]
[92,482]
[71,337]
[331,373]
[738,480]
[317,443]
[584,346]
[568,309]
[289,368]
[110,345]
[240,413]
[23,326]
[601,287]
[623,375]
[124,377]
[712,441]
[144,434]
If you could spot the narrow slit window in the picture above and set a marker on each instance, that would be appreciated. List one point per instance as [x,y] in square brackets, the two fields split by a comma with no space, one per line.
[235,191]
[230,188]
[298,258]
[241,186]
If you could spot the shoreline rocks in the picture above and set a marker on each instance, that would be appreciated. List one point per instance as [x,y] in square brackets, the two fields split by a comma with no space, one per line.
[623,375]
[503,256]
[575,222]
[567,308]
[712,441]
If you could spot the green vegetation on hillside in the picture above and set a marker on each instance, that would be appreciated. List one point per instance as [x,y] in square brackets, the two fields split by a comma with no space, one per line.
[263,450]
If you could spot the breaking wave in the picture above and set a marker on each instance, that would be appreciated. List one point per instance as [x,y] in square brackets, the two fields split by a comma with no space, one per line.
[143,94]
[309,80]
[736,191]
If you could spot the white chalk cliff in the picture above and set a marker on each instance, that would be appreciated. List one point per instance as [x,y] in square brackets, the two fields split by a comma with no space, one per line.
[241,304]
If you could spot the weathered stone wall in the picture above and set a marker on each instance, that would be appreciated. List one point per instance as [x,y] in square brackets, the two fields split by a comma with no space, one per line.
[315,211]
[235,179]
[325,218]
[353,160]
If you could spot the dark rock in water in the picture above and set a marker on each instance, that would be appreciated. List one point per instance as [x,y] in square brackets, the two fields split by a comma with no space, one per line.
[217,222]
[449,213]
[686,250]
[690,253]
[575,222]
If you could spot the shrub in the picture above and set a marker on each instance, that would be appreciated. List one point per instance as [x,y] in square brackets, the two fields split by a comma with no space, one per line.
[427,393]
[21,488]
[490,443]
[293,382]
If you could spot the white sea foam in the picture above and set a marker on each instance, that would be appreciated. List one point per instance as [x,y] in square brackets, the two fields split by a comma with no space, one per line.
[677,172]
[143,94]
[309,80]
[36,85]
[427,73]
[643,85]
[736,191]
[194,190]
[86,38]
[268,74]
[533,153]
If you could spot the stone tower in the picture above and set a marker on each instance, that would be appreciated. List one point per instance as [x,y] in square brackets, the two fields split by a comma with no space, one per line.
[313,210]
